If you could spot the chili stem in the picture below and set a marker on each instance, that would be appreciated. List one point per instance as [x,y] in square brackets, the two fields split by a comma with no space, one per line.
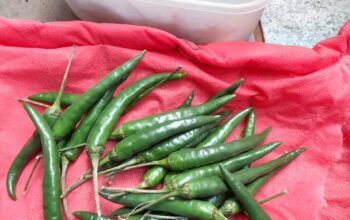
[273,197]
[37,160]
[110,179]
[120,167]
[94,161]
[57,102]
[132,190]
[65,163]
[111,172]
[72,147]
[34,103]
[110,196]
[79,181]
[240,133]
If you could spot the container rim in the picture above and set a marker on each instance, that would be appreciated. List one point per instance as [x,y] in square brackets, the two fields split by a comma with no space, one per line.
[213,7]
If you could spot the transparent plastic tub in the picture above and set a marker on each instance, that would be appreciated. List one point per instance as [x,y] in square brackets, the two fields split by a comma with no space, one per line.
[200,21]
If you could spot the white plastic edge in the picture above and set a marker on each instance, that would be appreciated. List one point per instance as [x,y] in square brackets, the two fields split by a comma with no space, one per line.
[213,7]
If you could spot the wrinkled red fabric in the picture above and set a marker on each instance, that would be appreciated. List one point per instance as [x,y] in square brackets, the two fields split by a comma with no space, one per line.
[302,93]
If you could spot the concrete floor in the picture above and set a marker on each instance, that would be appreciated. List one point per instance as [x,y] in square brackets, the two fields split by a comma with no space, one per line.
[40,10]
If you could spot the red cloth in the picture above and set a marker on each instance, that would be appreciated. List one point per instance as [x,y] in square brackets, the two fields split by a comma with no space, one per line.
[302,93]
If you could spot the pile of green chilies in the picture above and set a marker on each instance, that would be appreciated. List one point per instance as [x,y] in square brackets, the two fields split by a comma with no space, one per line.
[204,176]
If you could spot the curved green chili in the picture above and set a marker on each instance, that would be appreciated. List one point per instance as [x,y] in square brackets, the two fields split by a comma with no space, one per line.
[49,97]
[153,87]
[51,181]
[245,176]
[191,158]
[209,186]
[33,145]
[231,205]
[216,200]
[85,177]
[227,91]
[223,131]
[79,137]
[66,123]
[188,101]
[131,127]
[250,205]
[250,127]
[93,216]
[190,208]
[153,177]
[156,174]
[163,148]
[121,211]
[143,140]
[103,126]
[232,164]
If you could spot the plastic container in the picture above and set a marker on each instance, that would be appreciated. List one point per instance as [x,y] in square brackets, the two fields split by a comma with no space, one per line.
[200,21]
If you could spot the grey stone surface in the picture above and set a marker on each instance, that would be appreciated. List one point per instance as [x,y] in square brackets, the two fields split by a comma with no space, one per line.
[303,22]
[40,10]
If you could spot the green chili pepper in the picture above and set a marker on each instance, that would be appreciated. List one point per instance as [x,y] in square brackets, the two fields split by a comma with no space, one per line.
[250,127]
[33,145]
[81,133]
[209,186]
[66,123]
[216,200]
[153,177]
[229,90]
[164,148]
[232,164]
[131,127]
[190,208]
[79,137]
[231,205]
[121,211]
[69,98]
[109,116]
[250,205]
[191,158]
[93,216]
[49,97]
[85,177]
[143,140]
[223,131]
[51,182]
[156,174]
[153,87]
[188,101]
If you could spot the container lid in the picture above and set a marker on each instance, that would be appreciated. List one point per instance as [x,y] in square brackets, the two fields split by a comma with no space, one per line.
[214,6]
